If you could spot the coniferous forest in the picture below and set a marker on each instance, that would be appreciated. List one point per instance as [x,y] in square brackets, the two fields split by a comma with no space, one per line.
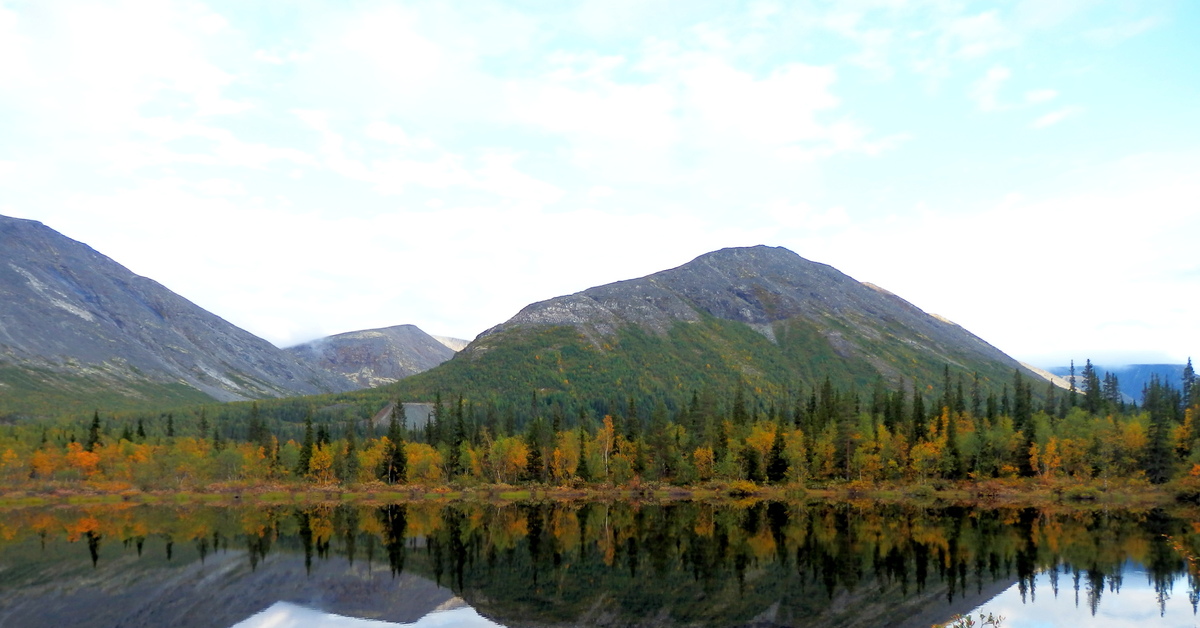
[825,436]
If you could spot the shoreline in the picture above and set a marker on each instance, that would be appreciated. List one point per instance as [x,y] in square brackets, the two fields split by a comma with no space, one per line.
[1011,493]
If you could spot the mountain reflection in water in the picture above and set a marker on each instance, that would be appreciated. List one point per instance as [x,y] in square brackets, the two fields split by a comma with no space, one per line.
[600,563]
[286,615]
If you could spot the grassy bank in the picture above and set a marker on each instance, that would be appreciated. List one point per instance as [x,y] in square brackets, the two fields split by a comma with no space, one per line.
[1039,493]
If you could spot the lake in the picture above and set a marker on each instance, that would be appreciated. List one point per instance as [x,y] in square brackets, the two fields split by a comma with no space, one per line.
[611,564]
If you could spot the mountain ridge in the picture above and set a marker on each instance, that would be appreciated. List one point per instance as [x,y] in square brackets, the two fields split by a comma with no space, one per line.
[372,357]
[670,332]
[68,309]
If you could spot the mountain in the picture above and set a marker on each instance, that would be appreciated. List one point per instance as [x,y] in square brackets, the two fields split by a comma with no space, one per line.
[455,344]
[1131,378]
[78,330]
[375,356]
[759,317]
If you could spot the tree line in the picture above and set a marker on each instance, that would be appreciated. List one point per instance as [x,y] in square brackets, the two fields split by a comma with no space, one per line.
[907,434]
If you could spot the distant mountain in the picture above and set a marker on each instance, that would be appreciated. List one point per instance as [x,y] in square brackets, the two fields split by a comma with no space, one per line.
[759,317]
[78,329]
[375,356]
[456,344]
[1131,378]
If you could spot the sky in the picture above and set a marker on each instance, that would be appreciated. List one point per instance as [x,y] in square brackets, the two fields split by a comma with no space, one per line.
[1027,169]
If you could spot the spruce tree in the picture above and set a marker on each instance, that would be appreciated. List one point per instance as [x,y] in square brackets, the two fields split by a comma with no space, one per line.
[1189,385]
[738,413]
[394,468]
[918,431]
[351,465]
[459,436]
[1074,389]
[752,463]
[93,432]
[306,449]
[535,467]
[437,431]
[1092,391]
[953,454]
[582,469]
[1023,421]
[1161,403]
[777,465]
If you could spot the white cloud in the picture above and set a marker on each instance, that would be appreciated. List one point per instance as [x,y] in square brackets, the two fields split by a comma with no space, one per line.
[977,35]
[985,91]
[1118,33]
[1056,116]
[802,216]
[389,133]
[1021,266]
[1043,14]
[390,39]
[15,69]
[1040,96]
[490,125]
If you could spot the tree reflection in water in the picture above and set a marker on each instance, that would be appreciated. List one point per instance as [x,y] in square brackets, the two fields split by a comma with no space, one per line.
[692,563]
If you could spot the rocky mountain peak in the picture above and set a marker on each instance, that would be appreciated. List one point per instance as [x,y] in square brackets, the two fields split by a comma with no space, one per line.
[765,288]
[66,308]
[373,357]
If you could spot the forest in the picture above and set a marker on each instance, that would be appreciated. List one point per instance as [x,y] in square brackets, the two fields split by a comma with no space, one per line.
[829,435]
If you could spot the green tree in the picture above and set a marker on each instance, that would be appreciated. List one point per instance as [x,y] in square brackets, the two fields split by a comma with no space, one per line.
[1092,391]
[1189,385]
[93,432]
[351,465]
[583,470]
[306,449]
[1161,402]
[1023,422]
[535,466]
[777,465]
[394,467]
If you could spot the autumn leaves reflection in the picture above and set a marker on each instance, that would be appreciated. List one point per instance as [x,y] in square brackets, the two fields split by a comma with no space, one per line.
[691,562]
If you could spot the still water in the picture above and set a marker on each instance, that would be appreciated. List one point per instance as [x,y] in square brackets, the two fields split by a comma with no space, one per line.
[613,564]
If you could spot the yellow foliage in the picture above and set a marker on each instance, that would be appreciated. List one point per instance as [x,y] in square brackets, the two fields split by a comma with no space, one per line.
[705,464]
[320,466]
[507,458]
[424,464]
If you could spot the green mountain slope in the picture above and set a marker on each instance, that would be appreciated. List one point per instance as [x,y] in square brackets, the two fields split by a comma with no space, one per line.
[41,392]
[763,318]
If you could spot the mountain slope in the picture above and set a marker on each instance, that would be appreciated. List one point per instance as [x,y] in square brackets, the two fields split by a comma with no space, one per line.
[68,312]
[373,357]
[761,317]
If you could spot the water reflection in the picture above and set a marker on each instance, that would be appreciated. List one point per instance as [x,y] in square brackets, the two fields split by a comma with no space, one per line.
[286,615]
[761,564]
